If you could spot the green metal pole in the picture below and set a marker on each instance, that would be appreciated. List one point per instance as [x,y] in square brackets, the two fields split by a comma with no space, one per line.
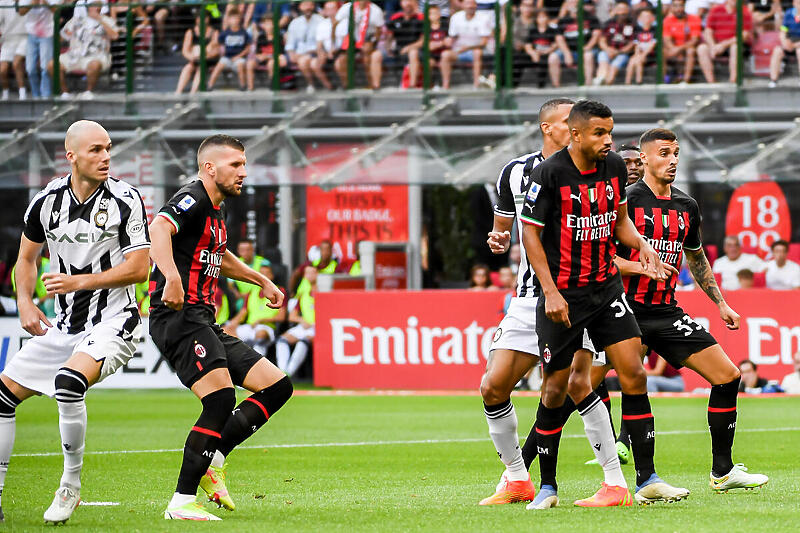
[56,77]
[426,48]
[741,99]
[498,73]
[509,44]
[203,62]
[581,72]
[661,99]
[129,51]
[351,46]
[276,46]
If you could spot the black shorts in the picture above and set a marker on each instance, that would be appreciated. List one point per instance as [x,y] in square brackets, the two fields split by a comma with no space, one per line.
[671,333]
[601,310]
[194,345]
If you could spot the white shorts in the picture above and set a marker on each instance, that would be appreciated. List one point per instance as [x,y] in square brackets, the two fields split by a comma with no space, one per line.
[72,63]
[230,64]
[517,330]
[12,46]
[247,332]
[301,333]
[36,364]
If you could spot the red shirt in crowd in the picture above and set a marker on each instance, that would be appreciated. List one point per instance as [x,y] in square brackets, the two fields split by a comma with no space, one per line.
[722,22]
[681,30]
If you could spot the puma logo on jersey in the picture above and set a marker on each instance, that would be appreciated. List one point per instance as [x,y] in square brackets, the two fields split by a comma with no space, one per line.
[575,197]
[650,219]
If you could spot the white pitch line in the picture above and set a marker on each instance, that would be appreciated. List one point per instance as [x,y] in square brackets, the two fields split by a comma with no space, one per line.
[99,504]
[378,443]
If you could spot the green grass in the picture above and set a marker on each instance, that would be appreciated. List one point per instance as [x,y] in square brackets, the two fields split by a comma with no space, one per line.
[386,485]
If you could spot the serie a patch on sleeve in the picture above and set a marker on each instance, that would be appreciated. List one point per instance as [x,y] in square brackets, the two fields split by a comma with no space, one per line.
[533,192]
[186,203]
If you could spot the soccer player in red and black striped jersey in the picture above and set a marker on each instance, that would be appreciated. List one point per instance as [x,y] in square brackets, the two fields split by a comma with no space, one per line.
[670,221]
[575,208]
[190,253]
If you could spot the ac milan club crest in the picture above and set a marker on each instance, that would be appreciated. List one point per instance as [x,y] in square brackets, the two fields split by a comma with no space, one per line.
[546,355]
[200,350]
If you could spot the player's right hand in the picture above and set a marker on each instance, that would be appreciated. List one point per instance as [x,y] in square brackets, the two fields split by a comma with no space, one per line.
[557,309]
[499,241]
[173,294]
[669,269]
[31,319]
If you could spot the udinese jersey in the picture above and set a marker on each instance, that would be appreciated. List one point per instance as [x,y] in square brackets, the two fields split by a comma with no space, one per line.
[88,238]
[670,224]
[198,246]
[513,183]
[578,213]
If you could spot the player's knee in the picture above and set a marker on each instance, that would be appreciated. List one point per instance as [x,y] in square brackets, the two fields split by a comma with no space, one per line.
[70,385]
[491,392]
[8,401]
[276,395]
[218,406]
[634,381]
[578,387]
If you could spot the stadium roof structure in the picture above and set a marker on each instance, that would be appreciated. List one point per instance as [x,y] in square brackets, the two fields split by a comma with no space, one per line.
[459,137]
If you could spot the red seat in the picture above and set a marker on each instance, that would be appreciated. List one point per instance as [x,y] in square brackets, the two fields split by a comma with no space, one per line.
[495,277]
[718,278]
[794,252]
[712,252]
[759,280]
[762,52]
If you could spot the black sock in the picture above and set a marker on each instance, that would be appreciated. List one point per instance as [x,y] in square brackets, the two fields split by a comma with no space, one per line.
[722,425]
[548,435]
[602,392]
[253,413]
[637,415]
[203,438]
[624,437]
[529,451]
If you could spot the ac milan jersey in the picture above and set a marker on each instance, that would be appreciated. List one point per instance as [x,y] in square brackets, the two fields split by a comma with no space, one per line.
[198,245]
[670,224]
[87,238]
[513,183]
[578,213]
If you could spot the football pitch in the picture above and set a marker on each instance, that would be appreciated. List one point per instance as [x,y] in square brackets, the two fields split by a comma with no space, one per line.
[390,463]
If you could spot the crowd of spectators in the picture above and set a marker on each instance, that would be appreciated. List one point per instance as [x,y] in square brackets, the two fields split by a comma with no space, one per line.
[619,41]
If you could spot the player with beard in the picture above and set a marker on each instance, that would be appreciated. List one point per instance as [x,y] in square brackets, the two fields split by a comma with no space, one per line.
[670,220]
[575,208]
[189,252]
[633,162]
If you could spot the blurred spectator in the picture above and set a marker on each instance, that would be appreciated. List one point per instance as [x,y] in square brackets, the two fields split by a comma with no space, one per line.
[790,42]
[469,34]
[729,265]
[567,53]
[645,40]
[685,278]
[235,43]
[255,323]
[616,44]
[325,43]
[262,51]
[403,32]
[782,274]
[39,25]
[746,278]
[541,44]
[256,12]
[301,40]
[368,21]
[191,52]
[661,376]
[633,162]
[514,257]
[719,38]
[508,283]
[791,382]
[302,334]
[765,13]
[480,279]
[437,43]
[89,39]
[699,7]
[325,264]
[751,382]
[42,300]
[442,5]
[682,33]
[13,48]
[246,250]
[524,22]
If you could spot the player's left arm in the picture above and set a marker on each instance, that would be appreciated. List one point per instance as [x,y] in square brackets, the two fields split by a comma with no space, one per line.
[132,270]
[704,277]
[632,268]
[233,268]
[626,234]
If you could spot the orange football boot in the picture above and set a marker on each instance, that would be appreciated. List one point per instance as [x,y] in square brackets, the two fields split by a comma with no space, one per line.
[608,496]
[512,492]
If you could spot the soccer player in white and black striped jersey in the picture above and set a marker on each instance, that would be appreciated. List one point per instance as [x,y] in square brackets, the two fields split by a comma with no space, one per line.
[96,231]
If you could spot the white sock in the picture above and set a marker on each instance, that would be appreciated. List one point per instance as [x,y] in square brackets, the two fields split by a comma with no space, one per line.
[503,430]
[23,93]
[282,354]
[7,431]
[5,94]
[298,356]
[218,460]
[260,348]
[179,500]
[72,423]
[598,430]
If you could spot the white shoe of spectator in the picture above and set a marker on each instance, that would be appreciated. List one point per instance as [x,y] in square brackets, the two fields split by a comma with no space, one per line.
[310,89]
[485,82]
[66,96]
[5,95]
[772,84]
[23,93]
[86,95]
[598,80]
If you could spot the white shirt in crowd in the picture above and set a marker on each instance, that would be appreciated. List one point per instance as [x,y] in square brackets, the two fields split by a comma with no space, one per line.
[728,269]
[325,34]
[791,383]
[301,35]
[39,20]
[87,36]
[375,22]
[468,32]
[11,23]
[783,278]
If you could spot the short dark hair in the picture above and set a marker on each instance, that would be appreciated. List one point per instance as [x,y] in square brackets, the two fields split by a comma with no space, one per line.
[779,242]
[657,134]
[220,140]
[745,273]
[551,105]
[748,362]
[628,148]
[584,110]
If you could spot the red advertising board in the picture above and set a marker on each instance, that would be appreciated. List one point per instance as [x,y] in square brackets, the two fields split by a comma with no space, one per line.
[440,339]
[391,269]
[358,212]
